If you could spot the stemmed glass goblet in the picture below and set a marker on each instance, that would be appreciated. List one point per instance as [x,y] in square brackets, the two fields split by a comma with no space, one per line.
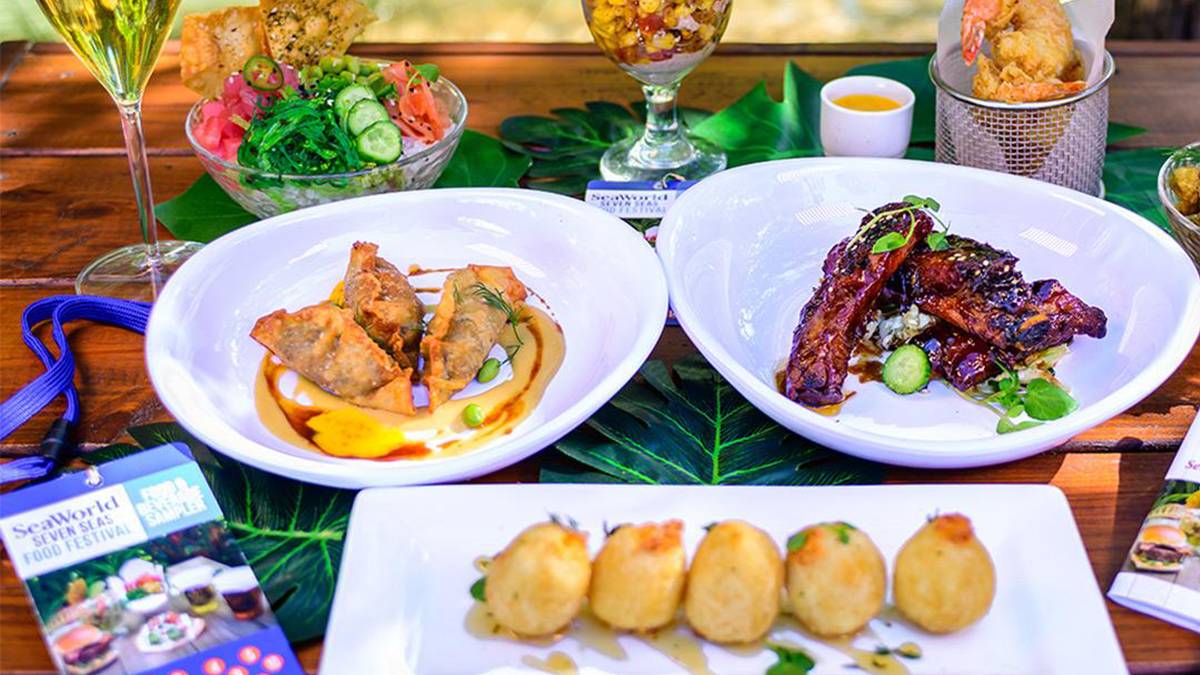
[120,41]
[658,42]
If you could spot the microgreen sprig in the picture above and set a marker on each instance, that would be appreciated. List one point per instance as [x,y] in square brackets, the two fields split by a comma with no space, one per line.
[894,240]
[1041,400]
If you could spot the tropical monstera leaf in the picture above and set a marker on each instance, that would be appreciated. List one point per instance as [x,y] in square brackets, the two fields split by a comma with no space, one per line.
[694,428]
[566,148]
[292,533]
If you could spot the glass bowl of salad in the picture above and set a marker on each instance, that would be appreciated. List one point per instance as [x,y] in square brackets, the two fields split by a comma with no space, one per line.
[279,139]
[1179,192]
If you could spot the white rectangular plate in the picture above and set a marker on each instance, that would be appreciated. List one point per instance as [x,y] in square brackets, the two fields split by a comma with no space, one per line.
[402,595]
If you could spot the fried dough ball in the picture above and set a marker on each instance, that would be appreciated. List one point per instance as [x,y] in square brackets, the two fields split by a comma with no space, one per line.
[638,576]
[836,578]
[733,585]
[944,579]
[537,584]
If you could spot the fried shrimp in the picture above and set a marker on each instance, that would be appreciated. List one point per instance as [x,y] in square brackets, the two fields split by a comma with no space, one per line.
[1033,51]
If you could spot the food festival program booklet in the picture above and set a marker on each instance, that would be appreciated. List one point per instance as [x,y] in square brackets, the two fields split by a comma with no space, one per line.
[131,569]
[1161,574]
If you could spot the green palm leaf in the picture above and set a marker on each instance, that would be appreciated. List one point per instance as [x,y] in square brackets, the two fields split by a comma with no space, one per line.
[694,428]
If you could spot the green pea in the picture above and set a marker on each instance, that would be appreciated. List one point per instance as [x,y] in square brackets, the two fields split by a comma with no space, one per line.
[473,416]
[332,64]
[488,371]
[368,68]
[312,74]
[352,63]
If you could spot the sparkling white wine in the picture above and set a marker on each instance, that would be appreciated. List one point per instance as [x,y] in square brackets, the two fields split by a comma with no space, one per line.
[118,40]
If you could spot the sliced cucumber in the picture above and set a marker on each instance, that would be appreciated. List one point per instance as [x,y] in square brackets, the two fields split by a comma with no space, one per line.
[906,370]
[364,114]
[347,97]
[381,142]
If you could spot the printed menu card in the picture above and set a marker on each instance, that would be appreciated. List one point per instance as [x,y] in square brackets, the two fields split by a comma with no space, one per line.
[131,569]
[1161,574]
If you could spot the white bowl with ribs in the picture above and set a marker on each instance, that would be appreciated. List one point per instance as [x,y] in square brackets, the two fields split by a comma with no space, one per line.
[924,314]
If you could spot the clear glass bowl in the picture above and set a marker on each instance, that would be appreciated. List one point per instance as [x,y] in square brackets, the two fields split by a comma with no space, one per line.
[268,194]
[1186,230]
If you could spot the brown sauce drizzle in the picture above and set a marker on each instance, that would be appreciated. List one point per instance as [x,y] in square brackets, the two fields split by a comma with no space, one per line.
[428,433]
[867,370]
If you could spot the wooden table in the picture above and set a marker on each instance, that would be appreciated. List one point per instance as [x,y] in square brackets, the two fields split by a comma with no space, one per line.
[65,198]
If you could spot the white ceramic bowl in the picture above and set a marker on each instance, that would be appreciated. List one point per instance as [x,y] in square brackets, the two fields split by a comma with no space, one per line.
[857,133]
[598,276]
[743,250]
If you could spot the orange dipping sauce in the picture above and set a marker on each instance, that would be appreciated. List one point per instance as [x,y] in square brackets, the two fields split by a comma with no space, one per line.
[866,102]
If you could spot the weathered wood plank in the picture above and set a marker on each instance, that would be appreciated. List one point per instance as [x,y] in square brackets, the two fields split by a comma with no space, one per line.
[60,214]
[533,80]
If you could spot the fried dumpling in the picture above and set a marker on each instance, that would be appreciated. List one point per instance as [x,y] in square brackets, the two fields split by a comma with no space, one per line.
[324,344]
[468,321]
[384,303]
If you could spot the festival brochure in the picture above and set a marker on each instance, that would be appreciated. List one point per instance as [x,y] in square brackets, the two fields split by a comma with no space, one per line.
[1161,574]
[130,568]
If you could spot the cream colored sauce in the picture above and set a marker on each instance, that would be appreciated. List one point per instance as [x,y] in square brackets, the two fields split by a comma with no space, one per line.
[440,433]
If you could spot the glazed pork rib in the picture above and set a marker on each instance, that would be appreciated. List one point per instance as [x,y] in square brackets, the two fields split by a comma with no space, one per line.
[978,289]
[833,321]
[960,358]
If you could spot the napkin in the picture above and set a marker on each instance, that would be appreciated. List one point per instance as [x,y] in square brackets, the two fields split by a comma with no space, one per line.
[1161,574]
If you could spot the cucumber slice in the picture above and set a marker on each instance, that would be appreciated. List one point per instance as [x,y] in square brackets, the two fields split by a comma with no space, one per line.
[364,114]
[347,97]
[381,142]
[906,370]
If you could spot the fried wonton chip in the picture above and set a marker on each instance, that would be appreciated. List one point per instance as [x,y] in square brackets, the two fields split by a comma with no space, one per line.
[466,324]
[324,344]
[300,32]
[384,303]
[215,44]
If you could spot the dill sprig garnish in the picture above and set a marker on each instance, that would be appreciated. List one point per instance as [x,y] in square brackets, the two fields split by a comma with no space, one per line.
[496,300]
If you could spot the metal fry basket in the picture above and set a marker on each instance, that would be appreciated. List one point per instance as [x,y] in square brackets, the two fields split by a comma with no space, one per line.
[1060,141]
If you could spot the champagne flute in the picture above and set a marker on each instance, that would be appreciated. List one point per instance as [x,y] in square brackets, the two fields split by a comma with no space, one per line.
[659,42]
[119,41]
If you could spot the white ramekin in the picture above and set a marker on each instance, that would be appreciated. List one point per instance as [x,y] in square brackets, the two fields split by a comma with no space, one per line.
[854,133]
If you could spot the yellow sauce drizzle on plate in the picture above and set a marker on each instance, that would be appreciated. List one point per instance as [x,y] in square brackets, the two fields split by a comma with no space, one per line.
[557,662]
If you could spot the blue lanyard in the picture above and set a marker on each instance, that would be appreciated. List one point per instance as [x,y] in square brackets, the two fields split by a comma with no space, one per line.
[59,378]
